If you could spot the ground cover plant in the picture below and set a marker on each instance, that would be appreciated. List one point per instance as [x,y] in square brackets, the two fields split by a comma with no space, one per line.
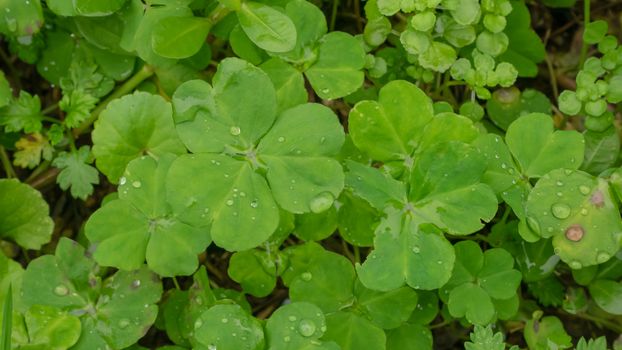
[293,174]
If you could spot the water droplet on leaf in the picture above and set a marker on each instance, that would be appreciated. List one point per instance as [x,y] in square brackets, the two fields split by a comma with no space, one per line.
[560,210]
[306,276]
[321,202]
[136,184]
[602,257]
[584,189]
[122,180]
[123,323]
[235,131]
[61,290]
[306,328]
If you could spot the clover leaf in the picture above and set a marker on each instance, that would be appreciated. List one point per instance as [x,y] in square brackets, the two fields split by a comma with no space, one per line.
[253,159]
[132,126]
[331,62]
[390,131]
[115,313]
[444,191]
[267,27]
[578,211]
[298,325]
[510,167]
[227,327]
[351,331]
[478,281]
[142,225]
[24,215]
[46,327]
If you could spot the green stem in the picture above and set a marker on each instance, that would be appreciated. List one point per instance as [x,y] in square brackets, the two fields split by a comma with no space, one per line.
[176,283]
[608,324]
[127,87]
[6,163]
[50,109]
[357,254]
[586,21]
[333,16]
[39,170]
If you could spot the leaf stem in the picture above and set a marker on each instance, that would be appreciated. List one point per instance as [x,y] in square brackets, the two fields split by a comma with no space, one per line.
[7,318]
[606,323]
[50,109]
[333,16]
[586,21]
[127,87]
[6,163]
[176,283]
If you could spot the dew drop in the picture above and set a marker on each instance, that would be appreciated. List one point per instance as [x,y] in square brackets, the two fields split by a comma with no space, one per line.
[135,284]
[235,131]
[416,249]
[229,202]
[602,257]
[286,338]
[306,328]
[559,183]
[584,211]
[560,210]
[224,320]
[123,323]
[122,180]
[281,139]
[575,265]
[584,189]
[292,318]
[198,324]
[61,290]
[136,184]
[254,203]
[321,202]
[212,347]
[306,276]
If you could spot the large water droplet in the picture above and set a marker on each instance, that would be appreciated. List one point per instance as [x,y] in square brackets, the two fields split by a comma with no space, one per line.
[198,324]
[306,328]
[61,290]
[235,131]
[560,210]
[584,189]
[306,276]
[574,233]
[122,180]
[123,323]
[321,202]
[602,257]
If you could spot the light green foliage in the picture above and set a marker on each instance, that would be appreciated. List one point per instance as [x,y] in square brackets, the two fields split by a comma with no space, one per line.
[77,173]
[113,312]
[478,281]
[298,166]
[579,213]
[132,126]
[24,215]
[227,327]
[544,333]
[142,225]
[23,113]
